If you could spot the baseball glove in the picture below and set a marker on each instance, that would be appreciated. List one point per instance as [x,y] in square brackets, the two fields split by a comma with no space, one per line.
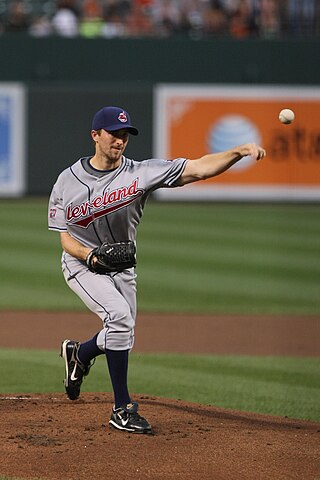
[112,257]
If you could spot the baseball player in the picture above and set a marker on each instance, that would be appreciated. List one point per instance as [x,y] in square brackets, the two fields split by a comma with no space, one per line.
[96,205]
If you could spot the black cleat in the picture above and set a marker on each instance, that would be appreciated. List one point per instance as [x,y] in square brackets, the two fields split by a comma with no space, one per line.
[127,419]
[75,370]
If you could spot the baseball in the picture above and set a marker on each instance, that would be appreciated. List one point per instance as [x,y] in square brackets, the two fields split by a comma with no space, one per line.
[286,116]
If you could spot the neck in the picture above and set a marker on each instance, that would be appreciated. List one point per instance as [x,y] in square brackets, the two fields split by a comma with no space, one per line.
[104,163]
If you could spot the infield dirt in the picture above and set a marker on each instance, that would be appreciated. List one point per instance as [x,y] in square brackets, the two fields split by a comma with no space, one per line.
[49,437]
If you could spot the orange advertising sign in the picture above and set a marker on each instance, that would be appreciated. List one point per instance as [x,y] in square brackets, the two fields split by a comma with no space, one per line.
[192,121]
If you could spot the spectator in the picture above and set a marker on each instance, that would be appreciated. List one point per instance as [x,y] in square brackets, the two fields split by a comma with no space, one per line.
[215,19]
[17,20]
[196,12]
[121,8]
[302,16]
[65,21]
[139,22]
[91,19]
[269,19]
[115,15]
[195,18]
[40,26]
[241,22]
[114,26]
[166,16]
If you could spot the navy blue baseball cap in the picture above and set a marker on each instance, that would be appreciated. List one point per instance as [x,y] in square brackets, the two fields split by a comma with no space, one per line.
[113,118]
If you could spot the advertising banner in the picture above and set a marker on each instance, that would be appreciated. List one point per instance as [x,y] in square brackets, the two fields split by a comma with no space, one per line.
[191,121]
[12,139]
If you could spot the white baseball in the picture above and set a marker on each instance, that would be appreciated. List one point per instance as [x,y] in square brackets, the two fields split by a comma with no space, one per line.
[286,116]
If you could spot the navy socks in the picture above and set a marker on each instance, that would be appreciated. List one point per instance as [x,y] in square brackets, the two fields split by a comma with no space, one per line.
[117,361]
[118,369]
[89,350]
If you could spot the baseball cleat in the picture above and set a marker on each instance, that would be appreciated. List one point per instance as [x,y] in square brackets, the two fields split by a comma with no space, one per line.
[75,370]
[127,419]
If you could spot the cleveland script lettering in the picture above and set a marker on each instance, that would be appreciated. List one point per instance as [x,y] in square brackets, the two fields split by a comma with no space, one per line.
[113,200]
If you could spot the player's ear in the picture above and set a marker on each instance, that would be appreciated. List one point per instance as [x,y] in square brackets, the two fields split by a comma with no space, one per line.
[94,135]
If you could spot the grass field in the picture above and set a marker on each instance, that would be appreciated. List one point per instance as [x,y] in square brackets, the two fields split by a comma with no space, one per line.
[11,478]
[273,385]
[192,258]
[204,258]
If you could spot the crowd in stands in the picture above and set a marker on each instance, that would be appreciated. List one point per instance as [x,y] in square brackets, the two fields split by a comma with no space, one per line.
[161,18]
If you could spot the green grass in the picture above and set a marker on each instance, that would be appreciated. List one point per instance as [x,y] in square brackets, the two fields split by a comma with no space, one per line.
[228,258]
[272,385]
[206,258]
[15,478]
[18,478]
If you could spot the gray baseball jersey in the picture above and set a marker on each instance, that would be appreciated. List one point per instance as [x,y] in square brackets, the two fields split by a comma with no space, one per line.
[96,207]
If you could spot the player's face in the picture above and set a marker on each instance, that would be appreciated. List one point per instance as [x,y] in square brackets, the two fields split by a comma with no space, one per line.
[111,145]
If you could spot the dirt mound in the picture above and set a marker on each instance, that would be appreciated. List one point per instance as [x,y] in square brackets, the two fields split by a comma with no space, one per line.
[50,437]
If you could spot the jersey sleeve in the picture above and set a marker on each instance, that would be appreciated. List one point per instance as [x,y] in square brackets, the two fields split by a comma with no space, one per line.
[165,173]
[56,215]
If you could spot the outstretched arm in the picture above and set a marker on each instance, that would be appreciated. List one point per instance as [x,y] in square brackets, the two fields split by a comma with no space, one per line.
[213,164]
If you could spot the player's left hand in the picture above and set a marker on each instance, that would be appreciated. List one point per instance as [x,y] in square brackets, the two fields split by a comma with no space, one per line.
[112,257]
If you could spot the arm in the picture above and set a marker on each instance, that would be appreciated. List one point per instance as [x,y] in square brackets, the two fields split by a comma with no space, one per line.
[214,164]
[73,247]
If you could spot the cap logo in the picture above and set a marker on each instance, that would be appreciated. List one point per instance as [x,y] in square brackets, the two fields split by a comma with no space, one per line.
[122,117]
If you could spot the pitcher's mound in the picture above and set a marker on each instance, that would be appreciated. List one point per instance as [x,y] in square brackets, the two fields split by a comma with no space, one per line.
[50,437]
